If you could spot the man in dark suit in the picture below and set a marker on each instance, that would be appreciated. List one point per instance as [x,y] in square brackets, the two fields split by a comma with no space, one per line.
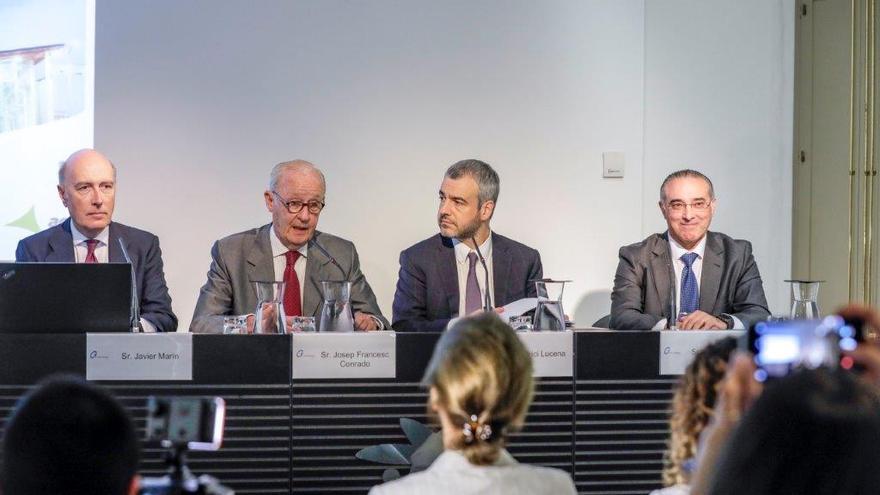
[441,278]
[290,249]
[702,280]
[87,187]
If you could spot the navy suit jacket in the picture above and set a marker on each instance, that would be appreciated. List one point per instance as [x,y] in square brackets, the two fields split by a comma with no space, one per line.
[55,244]
[427,286]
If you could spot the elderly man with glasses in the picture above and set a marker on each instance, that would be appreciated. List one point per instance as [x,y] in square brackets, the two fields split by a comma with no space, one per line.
[687,277]
[289,249]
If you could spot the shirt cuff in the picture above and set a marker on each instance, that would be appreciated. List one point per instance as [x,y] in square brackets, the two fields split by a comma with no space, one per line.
[379,324]
[737,323]
[147,327]
[660,325]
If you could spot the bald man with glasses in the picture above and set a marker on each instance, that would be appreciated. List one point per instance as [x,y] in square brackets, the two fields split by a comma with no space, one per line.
[289,249]
[687,277]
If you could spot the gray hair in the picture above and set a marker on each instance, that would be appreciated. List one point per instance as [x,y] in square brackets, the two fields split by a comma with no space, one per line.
[685,173]
[294,166]
[486,178]
[62,166]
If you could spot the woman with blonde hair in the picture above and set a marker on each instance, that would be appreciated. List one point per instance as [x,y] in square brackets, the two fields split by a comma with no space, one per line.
[481,385]
[692,404]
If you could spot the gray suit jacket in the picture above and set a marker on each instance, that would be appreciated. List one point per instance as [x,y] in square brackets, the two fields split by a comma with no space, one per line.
[643,285]
[247,256]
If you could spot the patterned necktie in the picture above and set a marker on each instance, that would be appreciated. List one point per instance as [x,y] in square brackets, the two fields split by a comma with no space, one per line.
[690,293]
[91,244]
[472,294]
[292,303]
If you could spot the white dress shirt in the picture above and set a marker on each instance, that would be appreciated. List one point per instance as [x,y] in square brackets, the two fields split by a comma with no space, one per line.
[452,473]
[279,262]
[462,265]
[102,254]
[677,251]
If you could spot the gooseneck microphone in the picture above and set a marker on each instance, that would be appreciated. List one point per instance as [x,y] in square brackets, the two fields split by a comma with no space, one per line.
[487,303]
[134,316]
[673,317]
[314,242]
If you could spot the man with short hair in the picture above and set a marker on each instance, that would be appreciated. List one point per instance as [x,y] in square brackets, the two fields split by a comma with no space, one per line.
[87,187]
[702,280]
[69,437]
[289,249]
[441,277]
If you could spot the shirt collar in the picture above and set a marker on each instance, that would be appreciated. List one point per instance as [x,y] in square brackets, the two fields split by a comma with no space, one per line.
[677,251]
[462,249]
[79,237]
[279,249]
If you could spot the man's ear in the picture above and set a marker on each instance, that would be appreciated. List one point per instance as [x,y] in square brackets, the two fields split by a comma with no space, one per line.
[267,196]
[486,210]
[62,195]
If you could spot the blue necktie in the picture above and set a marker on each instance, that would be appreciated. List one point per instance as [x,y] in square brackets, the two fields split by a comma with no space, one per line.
[690,293]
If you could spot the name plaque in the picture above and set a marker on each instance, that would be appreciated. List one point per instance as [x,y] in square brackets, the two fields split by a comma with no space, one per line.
[344,355]
[678,347]
[127,356]
[552,352]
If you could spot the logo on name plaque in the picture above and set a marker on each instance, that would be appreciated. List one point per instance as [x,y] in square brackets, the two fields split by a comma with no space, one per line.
[344,355]
[552,352]
[137,356]
[678,348]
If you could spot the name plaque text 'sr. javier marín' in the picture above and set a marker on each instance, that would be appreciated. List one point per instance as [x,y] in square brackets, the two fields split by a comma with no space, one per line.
[344,355]
[137,356]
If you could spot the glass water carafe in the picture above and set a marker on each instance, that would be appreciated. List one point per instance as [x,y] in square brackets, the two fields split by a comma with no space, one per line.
[805,299]
[548,313]
[269,316]
[336,312]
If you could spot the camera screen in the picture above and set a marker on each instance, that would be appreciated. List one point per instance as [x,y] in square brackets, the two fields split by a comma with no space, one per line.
[781,346]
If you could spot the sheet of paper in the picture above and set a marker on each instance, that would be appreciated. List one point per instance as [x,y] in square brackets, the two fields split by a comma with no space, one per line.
[517,308]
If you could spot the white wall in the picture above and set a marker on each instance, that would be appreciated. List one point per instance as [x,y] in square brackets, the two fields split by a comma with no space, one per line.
[719,98]
[196,100]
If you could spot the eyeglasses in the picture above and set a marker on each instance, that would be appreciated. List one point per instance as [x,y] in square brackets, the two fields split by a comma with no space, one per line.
[698,205]
[296,206]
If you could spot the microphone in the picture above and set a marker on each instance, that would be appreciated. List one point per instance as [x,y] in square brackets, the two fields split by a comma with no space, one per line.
[487,304]
[673,317]
[314,242]
[134,317]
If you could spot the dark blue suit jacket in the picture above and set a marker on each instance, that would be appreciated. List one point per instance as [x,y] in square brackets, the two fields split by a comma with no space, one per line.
[55,244]
[427,286]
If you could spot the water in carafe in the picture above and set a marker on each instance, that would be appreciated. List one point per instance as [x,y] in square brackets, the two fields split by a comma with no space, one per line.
[336,312]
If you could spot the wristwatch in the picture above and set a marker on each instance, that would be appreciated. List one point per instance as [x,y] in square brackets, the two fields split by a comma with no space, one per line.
[727,319]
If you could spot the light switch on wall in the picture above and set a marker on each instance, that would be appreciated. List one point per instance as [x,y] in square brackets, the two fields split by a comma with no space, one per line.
[613,164]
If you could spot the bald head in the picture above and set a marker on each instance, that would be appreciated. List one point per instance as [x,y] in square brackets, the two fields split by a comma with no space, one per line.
[295,168]
[87,188]
[85,155]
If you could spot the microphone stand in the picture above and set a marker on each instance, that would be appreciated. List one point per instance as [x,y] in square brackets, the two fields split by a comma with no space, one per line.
[134,315]
[314,242]
[487,303]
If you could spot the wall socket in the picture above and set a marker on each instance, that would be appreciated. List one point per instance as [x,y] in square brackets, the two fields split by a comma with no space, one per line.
[613,164]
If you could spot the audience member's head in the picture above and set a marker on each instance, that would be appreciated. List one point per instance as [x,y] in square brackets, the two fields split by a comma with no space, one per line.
[813,432]
[692,407]
[69,437]
[481,386]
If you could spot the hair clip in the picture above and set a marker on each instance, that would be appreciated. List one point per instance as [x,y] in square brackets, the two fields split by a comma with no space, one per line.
[472,428]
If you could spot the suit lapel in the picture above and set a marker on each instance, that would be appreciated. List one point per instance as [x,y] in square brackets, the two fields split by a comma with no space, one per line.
[448,273]
[61,244]
[114,252]
[501,266]
[661,267]
[315,272]
[260,266]
[710,278]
